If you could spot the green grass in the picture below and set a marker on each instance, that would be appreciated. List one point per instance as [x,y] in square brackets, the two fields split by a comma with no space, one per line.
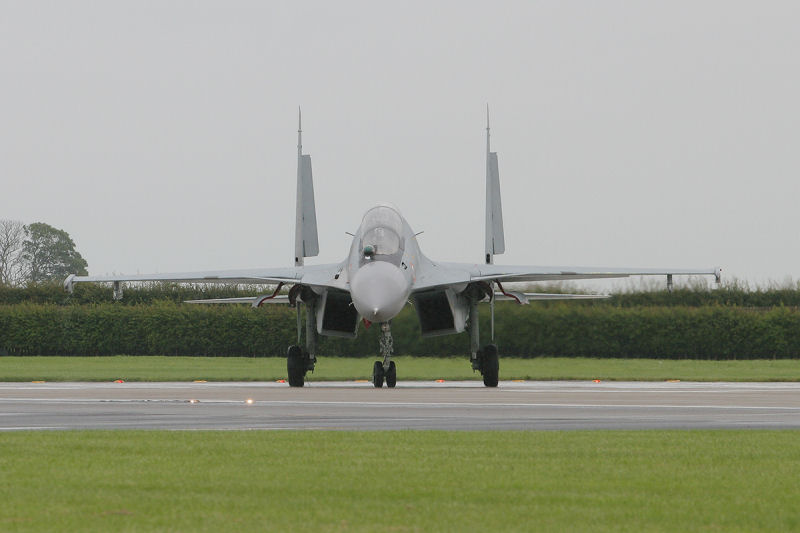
[156,368]
[400,481]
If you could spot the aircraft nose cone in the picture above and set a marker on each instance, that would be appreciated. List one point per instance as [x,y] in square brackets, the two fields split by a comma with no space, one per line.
[379,291]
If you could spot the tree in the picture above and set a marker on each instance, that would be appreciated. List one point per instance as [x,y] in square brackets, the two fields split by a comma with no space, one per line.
[12,232]
[50,254]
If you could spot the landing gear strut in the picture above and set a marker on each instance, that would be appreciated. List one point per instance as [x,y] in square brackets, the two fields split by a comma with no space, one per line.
[484,360]
[298,360]
[385,370]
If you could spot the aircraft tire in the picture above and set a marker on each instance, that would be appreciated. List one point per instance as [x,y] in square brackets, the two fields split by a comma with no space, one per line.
[490,366]
[391,375]
[295,366]
[377,374]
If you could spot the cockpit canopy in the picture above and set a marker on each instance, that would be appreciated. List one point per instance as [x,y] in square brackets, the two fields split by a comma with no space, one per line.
[383,230]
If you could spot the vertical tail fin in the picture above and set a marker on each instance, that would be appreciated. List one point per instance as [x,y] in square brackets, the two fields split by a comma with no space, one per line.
[495,239]
[306,243]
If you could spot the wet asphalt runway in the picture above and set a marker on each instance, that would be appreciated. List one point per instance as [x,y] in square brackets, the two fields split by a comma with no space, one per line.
[412,405]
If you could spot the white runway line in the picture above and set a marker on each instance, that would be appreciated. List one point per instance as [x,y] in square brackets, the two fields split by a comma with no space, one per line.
[30,428]
[356,403]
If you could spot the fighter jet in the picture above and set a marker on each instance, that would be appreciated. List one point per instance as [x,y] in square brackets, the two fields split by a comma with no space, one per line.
[383,271]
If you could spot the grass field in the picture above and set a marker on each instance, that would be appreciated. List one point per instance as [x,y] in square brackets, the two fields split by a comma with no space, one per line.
[155,368]
[400,481]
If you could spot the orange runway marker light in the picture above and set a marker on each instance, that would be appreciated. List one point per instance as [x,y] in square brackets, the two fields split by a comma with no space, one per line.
[39,381]
[281,381]
[518,380]
[596,380]
[361,381]
[200,381]
[673,381]
[439,381]
[119,381]
[193,401]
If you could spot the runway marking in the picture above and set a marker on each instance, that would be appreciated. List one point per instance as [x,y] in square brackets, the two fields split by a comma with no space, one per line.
[611,390]
[29,428]
[492,405]
[505,386]
[437,405]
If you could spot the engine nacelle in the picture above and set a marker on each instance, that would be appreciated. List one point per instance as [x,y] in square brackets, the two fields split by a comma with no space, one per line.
[440,312]
[336,314]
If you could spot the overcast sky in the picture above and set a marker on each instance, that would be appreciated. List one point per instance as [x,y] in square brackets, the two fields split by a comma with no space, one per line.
[162,135]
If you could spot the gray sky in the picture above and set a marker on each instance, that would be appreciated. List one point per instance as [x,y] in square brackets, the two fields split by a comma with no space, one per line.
[161,135]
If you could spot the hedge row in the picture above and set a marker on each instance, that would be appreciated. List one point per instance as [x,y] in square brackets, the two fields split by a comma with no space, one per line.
[165,328]
[711,332]
[732,294]
[143,293]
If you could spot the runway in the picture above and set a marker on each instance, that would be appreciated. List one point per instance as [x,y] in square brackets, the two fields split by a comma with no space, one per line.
[467,405]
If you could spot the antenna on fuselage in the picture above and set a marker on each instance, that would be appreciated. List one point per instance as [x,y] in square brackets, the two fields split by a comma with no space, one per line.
[306,243]
[495,240]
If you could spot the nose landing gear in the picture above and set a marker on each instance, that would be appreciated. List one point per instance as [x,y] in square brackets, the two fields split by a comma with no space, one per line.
[385,370]
[379,375]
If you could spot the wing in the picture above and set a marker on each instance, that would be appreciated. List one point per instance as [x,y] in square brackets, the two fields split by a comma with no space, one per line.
[314,275]
[438,274]
[534,273]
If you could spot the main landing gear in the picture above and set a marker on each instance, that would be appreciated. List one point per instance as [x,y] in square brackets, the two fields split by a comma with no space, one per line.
[484,360]
[298,360]
[385,370]
[487,362]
